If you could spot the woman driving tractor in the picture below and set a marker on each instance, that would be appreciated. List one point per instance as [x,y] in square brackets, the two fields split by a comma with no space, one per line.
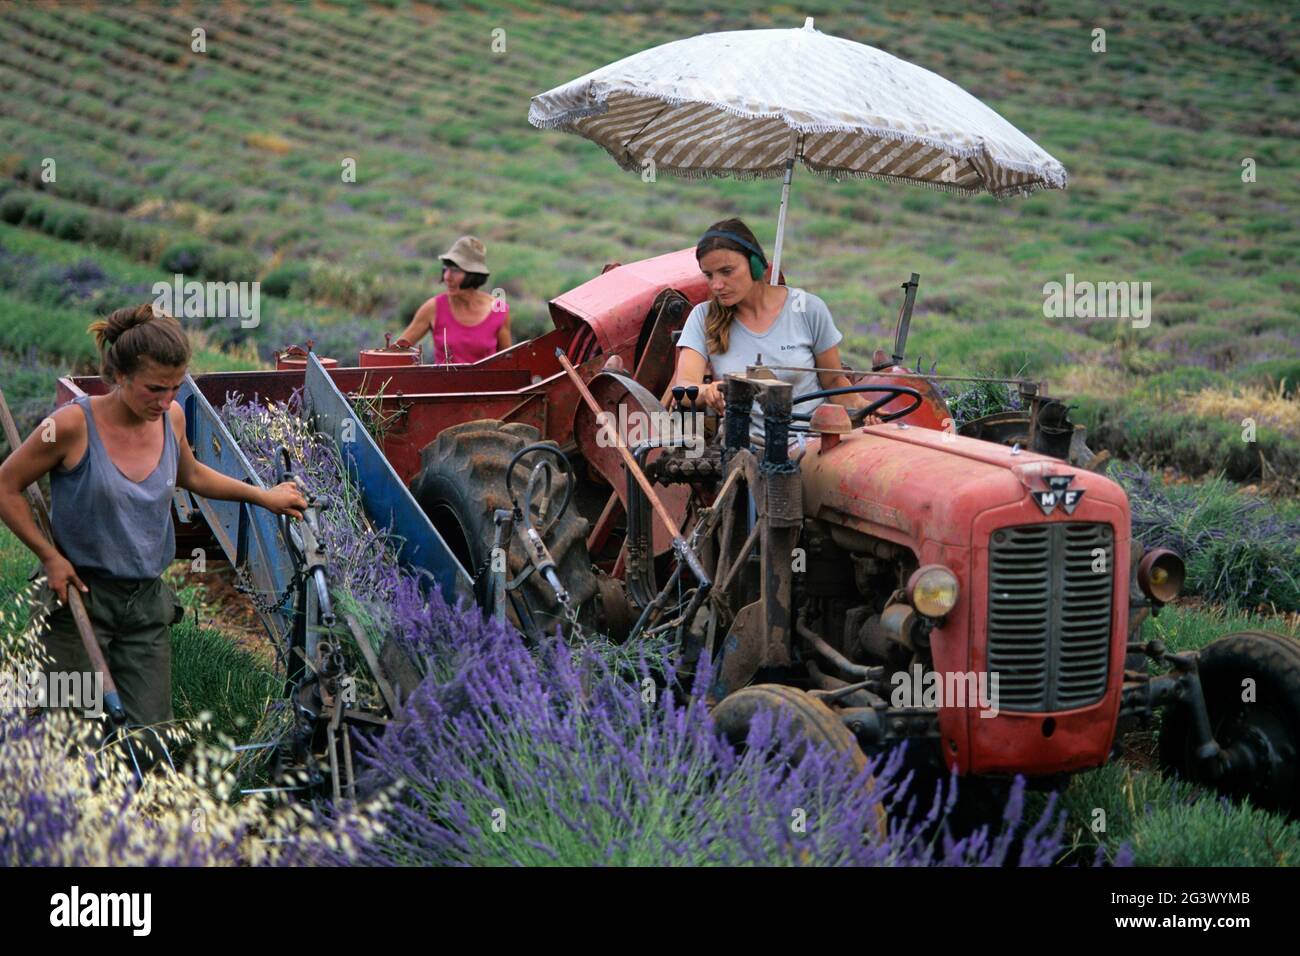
[747,321]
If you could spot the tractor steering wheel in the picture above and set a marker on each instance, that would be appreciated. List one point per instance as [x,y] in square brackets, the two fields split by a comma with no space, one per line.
[856,415]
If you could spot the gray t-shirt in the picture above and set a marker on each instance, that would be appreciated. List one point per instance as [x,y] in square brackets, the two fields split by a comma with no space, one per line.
[802,329]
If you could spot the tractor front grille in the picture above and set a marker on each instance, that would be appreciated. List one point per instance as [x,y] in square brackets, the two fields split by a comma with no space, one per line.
[1050,614]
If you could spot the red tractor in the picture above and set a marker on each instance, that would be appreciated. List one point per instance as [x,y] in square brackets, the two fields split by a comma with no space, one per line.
[905,563]
[974,591]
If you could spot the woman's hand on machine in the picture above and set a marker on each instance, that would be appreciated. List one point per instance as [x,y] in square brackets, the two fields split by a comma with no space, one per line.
[711,397]
[854,401]
[284,499]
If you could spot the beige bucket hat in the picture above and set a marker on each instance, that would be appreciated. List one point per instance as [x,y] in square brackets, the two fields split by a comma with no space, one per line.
[468,253]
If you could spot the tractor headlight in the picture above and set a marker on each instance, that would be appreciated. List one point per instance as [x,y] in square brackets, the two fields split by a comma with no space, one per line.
[932,590]
[1161,574]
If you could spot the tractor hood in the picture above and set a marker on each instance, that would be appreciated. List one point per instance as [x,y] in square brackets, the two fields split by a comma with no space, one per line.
[910,485]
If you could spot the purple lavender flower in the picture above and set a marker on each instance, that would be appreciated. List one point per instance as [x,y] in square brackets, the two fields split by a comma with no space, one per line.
[510,755]
[514,755]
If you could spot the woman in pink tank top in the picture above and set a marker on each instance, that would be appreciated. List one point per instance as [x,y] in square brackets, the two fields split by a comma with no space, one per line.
[464,323]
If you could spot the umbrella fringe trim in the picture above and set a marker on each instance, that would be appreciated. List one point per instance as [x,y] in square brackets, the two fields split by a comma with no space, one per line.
[567,118]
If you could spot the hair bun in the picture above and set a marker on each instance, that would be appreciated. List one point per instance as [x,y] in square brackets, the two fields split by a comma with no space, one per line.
[123,320]
[110,329]
[155,336]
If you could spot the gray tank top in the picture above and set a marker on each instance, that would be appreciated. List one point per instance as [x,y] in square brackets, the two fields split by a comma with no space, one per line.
[104,521]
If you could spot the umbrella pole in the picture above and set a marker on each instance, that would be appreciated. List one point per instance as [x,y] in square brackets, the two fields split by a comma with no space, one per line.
[780,217]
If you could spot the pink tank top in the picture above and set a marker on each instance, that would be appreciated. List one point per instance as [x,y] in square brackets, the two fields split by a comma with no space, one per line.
[464,343]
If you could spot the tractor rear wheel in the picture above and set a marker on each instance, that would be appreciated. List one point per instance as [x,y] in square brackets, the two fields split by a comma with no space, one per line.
[1264,729]
[462,482]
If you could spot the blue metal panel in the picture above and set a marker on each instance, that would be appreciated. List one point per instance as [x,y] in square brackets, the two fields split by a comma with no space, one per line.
[387,501]
[249,535]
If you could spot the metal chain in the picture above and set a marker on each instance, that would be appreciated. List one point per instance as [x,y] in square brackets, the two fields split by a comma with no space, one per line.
[244,585]
[571,615]
[482,570]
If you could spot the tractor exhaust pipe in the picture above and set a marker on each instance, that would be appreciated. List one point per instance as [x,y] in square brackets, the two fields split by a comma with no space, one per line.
[904,318]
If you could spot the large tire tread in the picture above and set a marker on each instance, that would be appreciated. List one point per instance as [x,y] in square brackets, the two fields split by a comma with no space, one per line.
[1273,661]
[463,471]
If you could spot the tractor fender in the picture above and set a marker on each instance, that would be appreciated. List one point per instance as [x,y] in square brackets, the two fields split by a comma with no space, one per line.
[637,415]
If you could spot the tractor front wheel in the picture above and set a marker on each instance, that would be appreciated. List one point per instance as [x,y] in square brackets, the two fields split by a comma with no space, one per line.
[1251,682]
[813,720]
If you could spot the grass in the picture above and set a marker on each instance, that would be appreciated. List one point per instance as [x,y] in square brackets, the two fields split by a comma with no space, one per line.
[229,689]
[1170,823]
[1191,626]
[213,675]
[1167,822]
[1153,133]
[1175,434]
[210,674]
[1241,549]
[1164,822]
[16,563]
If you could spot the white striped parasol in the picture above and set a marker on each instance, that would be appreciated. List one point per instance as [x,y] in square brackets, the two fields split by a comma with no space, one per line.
[748,103]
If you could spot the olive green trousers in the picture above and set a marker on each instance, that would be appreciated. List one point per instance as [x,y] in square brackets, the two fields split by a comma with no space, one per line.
[132,621]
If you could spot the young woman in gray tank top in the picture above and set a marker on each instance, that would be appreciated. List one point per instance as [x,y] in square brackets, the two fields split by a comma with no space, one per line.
[745,317]
[114,462]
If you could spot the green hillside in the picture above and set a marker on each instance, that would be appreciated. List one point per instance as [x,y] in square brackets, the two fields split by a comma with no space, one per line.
[228,164]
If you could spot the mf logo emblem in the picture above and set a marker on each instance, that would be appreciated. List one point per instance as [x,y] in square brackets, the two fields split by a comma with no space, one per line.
[1058,492]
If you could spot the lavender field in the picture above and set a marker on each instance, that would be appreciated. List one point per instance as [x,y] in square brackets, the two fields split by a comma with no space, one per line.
[128,157]
[227,163]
